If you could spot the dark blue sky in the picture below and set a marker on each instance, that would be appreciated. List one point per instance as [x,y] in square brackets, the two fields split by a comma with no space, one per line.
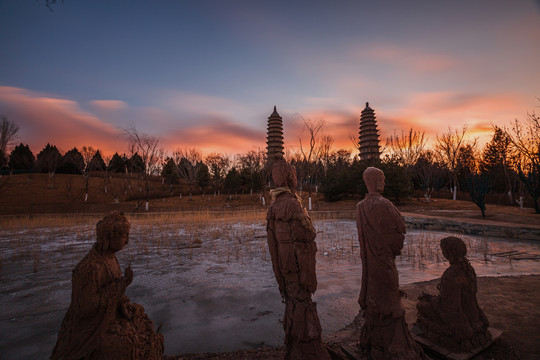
[207,73]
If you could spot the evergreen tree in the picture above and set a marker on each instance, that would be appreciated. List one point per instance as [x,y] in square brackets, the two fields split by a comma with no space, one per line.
[466,163]
[495,160]
[232,181]
[398,183]
[203,176]
[71,163]
[97,163]
[136,164]
[21,158]
[170,172]
[48,159]
[117,164]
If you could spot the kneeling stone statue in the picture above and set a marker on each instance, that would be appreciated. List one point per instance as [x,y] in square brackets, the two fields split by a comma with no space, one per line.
[101,322]
[453,319]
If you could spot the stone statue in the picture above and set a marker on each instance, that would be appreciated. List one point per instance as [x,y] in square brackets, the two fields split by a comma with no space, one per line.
[453,319]
[292,247]
[101,322]
[381,230]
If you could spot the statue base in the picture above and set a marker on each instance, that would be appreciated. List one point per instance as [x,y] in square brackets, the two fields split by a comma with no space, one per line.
[447,354]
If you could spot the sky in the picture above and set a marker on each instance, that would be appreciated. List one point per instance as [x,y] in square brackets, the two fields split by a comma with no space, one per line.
[206,74]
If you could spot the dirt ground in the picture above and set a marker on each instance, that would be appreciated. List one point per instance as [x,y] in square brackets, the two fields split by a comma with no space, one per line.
[31,194]
[511,304]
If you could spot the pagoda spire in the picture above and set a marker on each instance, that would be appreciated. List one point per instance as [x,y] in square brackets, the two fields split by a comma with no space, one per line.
[274,138]
[368,135]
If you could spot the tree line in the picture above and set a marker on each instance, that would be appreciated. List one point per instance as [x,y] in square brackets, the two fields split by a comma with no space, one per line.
[507,167]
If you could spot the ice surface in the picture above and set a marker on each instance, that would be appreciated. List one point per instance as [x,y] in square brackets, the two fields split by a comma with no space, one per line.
[211,287]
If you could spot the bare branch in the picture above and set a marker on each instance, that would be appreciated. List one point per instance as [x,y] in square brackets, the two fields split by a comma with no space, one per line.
[8,134]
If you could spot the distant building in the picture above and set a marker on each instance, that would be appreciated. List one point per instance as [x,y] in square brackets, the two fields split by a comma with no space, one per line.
[274,138]
[369,136]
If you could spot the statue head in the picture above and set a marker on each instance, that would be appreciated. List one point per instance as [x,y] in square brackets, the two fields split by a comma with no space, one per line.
[112,232]
[453,249]
[374,179]
[283,174]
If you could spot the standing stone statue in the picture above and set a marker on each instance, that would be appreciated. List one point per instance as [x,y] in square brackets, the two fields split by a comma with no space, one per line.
[453,319]
[381,230]
[101,322]
[291,242]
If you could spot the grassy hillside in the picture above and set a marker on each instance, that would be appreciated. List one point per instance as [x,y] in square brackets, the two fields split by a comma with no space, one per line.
[37,194]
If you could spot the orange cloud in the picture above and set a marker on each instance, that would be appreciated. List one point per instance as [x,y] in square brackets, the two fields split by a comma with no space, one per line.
[217,136]
[109,104]
[44,118]
[61,122]
[434,112]
[431,112]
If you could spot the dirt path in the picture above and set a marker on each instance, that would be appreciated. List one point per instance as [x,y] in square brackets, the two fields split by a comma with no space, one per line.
[511,304]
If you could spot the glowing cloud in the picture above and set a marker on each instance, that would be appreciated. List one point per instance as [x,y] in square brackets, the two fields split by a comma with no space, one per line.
[109,104]
[217,136]
[44,119]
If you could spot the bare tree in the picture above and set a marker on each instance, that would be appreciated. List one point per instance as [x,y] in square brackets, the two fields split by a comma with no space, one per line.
[106,176]
[448,149]
[311,151]
[8,133]
[355,141]
[325,151]
[188,162]
[407,148]
[254,162]
[218,165]
[525,139]
[147,147]
[87,153]
[428,174]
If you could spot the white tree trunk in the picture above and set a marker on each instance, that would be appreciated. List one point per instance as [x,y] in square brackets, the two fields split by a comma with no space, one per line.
[146,206]
[454,195]
[309,203]
[520,201]
[263,201]
[85,197]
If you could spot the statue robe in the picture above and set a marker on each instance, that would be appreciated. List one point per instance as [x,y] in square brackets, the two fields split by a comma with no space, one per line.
[101,323]
[381,230]
[292,247]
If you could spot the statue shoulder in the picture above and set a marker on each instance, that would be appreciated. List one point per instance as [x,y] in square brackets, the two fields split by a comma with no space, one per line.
[284,208]
[451,272]
[92,266]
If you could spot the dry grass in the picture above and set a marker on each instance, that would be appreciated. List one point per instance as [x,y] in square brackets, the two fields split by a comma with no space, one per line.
[230,235]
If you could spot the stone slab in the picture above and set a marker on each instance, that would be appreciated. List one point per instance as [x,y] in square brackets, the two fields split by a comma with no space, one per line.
[447,354]
[351,351]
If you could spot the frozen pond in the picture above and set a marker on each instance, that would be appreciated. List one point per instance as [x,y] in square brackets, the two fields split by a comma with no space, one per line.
[210,284]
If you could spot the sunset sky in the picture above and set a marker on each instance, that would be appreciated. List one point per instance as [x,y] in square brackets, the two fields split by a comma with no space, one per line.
[206,74]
